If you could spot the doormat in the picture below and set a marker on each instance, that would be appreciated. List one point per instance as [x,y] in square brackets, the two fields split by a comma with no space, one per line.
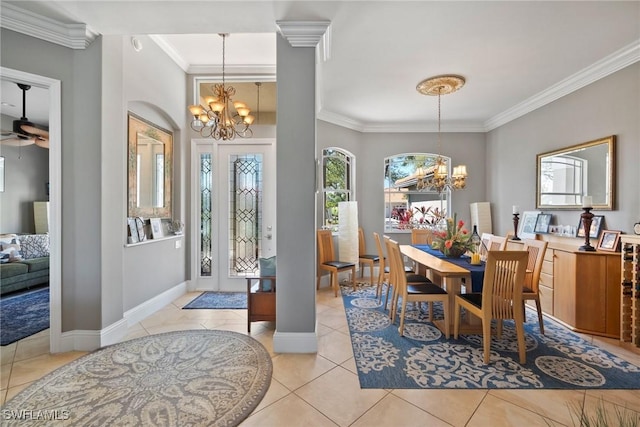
[219,300]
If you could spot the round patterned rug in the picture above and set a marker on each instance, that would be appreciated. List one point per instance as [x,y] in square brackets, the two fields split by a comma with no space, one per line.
[184,378]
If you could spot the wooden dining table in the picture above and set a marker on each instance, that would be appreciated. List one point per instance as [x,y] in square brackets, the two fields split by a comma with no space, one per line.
[450,277]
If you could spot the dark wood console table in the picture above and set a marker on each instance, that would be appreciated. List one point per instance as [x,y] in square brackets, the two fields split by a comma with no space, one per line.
[261,302]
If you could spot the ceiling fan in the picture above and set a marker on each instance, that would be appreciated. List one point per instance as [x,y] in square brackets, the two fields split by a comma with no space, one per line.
[25,132]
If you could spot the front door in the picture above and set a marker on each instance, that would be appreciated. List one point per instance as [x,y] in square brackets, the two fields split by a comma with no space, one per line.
[236,212]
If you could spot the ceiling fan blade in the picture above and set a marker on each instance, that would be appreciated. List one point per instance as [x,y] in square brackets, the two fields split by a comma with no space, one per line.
[42,142]
[32,130]
[18,141]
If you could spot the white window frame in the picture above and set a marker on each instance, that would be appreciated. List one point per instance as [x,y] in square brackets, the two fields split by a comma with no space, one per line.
[350,191]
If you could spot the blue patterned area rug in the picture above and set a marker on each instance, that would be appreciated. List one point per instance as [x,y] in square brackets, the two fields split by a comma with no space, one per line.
[219,300]
[23,315]
[424,358]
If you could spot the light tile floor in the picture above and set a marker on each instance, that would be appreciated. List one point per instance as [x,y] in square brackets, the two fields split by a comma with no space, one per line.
[323,390]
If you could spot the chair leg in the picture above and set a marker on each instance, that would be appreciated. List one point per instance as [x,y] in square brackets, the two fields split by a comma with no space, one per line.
[431,312]
[445,308]
[522,351]
[456,319]
[334,282]
[486,339]
[353,278]
[402,312]
[539,308]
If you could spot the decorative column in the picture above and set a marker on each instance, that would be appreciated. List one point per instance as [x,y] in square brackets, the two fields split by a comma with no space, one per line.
[296,150]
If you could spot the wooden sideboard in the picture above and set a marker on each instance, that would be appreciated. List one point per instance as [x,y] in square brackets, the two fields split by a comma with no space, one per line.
[582,289]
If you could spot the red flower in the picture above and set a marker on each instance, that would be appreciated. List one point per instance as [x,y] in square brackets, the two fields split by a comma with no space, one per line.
[465,231]
[448,244]
[460,224]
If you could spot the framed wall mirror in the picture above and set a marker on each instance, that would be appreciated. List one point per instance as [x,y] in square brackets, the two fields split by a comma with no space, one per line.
[150,154]
[565,176]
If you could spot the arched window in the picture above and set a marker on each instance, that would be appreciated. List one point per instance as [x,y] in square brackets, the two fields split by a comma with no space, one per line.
[338,177]
[406,206]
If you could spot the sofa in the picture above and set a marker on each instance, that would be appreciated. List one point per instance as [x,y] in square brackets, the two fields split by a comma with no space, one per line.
[24,261]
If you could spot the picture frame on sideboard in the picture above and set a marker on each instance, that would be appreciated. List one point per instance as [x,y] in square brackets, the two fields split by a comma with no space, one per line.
[596,225]
[609,241]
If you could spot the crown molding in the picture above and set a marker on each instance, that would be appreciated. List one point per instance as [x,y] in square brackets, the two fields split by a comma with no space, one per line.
[170,51]
[349,123]
[303,33]
[74,36]
[618,60]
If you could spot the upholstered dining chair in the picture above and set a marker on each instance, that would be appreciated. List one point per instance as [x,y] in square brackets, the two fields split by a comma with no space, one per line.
[364,258]
[412,292]
[501,298]
[327,261]
[531,289]
[410,276]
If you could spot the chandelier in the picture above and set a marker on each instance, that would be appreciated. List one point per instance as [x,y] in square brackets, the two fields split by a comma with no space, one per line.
[216,120]
[436,177]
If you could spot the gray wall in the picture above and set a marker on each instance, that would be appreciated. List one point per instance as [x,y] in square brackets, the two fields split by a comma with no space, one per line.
[371,149]
[26,172]
[80,74]
[610,106]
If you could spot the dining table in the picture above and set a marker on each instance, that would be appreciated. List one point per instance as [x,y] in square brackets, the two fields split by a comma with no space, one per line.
[452,274]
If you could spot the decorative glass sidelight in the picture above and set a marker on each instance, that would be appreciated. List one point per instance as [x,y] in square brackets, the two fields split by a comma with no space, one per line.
[206,183]
[245,213]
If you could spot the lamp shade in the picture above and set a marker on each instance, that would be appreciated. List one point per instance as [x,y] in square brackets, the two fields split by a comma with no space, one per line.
[348,232]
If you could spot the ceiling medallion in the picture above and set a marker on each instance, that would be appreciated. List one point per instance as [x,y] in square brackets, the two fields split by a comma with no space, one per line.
[440,85]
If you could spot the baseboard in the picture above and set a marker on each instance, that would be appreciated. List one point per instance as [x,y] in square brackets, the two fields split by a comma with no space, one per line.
[79,340]
[295,342]
[147,308]
[88,340]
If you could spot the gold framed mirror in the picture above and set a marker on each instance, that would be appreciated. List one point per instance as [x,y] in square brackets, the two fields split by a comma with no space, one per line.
[565,176]
[150,166]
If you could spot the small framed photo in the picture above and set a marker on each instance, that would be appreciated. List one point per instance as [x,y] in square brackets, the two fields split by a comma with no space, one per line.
[596,224]
[528,224]
[542,223]
[133,231]
[156,228]
[609,241]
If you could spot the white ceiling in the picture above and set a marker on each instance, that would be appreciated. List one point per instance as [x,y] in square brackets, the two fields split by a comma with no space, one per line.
[515,56]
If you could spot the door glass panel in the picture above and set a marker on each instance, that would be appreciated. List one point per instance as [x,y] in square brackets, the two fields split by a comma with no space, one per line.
[205,214]
[245,213]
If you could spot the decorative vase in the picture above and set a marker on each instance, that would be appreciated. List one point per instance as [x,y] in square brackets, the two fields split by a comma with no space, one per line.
[454,252]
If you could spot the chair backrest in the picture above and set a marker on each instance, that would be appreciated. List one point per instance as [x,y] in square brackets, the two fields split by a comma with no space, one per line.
[485,240]
[362,247]
[536,250]
[502,286]
[497,243]
[421,236]
[396,265]
[325,246]
[376,237]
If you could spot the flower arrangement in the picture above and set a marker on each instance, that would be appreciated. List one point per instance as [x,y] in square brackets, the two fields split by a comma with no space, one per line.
[455,240]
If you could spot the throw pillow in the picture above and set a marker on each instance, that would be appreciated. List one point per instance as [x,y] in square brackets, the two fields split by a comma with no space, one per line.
[11,252]
[34,245]
[267,268]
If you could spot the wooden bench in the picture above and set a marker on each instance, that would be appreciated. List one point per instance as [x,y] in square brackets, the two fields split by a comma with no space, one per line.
[261,303]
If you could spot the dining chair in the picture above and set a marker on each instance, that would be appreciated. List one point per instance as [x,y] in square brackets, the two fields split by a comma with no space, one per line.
[413,292]
[531,289]
[383,270]
[497,243]
[410,276]
[363,258]
[421,236]
[501,298]
[485,243]
[327,261]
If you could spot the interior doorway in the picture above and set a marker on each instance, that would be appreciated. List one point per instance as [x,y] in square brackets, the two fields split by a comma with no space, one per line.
[55,163]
